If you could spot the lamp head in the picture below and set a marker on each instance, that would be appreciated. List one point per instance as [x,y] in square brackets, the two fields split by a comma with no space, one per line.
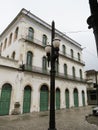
[56,42]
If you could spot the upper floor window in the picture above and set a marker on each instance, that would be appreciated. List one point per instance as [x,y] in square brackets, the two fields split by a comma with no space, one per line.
[13,55]
[16,33]
[1,48]
[64,49]
[73,72]
[29,58]
[65,69]
[80,71]
[31,34]
[56,67]
[5,44]
[44,63]
[10,39]
[44,40]
[72,53]
[78,56]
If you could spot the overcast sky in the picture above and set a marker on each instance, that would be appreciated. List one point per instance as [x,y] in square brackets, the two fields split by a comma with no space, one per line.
[70,18]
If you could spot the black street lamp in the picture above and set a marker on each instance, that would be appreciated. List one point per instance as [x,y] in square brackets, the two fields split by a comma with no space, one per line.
[93,23]
[52,52]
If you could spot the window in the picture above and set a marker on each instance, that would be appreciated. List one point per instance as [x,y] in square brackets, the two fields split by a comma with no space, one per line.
[1,48]
[72,53]
[64,49]
[16,33]
[13,55]
[5,44]
[65,69]
[29,58]
[44,40]
[44,63]
[56,67]
[80,71]
[31,34]
[10,39]
[78,56]
[73,72]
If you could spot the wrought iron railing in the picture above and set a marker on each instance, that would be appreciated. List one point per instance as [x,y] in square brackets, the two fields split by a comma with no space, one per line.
[40,70]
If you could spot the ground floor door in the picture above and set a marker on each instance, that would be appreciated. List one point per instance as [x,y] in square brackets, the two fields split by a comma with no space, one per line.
[67,98]
[76,98]
[5,99]
[57,99]
[44,98]
[27,99]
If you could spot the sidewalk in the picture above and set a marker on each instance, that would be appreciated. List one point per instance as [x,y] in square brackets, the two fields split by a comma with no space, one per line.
[67,119]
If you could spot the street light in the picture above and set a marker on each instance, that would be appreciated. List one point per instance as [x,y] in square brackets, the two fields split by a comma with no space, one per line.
[52,52]
[93,23]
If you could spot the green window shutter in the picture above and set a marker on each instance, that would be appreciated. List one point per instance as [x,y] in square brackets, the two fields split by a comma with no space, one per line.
[29,60]
[65,69]
[31,34]
[44,64]
[44,40]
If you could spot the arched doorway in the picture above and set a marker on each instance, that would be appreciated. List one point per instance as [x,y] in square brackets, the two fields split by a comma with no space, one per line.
[5,99]
[44,95]
[76,98]
[57,98]
[67,98]
[27,99]
[83,98]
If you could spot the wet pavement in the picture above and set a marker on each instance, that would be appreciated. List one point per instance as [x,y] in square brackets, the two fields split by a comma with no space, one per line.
[67,119]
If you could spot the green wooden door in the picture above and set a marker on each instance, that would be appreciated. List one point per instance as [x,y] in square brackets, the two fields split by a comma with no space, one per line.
[67,98]
[83,98]
[5,99]
[44,98]
[27,99]
[57,99]
[75,98]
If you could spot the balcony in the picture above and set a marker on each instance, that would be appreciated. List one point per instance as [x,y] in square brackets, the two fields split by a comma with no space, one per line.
[39,70]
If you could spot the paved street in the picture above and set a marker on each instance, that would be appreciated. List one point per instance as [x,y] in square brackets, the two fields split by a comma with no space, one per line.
[70,119]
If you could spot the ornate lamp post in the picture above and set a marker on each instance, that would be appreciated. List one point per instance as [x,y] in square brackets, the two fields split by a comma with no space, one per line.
[52,52]
[93,23]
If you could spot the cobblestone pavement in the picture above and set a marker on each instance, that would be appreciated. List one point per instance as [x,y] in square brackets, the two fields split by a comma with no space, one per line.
[68,119]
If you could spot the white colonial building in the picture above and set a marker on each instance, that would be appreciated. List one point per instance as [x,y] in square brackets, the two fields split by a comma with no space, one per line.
[24,74]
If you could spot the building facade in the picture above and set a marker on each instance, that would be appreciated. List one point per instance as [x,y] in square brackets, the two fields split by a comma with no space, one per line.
[24,74]
[92,91]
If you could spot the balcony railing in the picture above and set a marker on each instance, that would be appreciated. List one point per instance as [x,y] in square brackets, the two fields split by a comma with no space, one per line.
[36,69]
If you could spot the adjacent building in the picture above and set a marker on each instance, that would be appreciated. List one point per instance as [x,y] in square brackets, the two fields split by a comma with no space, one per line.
[92,80]
[24,74]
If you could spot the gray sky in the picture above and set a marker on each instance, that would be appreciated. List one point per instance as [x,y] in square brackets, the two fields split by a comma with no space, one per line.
[70,18]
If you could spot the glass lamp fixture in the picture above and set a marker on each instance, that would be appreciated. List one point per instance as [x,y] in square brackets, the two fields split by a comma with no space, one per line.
[48,49]
[56,42]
